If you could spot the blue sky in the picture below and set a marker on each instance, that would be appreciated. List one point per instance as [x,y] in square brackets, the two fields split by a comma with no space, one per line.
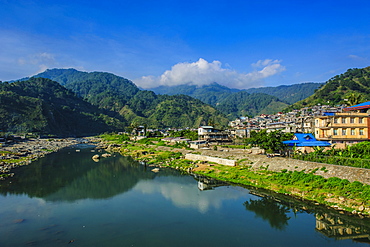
[240,44]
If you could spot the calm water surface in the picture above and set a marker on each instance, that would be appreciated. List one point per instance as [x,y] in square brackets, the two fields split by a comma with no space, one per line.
[67,198]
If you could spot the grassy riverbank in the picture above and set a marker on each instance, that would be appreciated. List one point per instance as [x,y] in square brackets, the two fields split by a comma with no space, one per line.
[338,193]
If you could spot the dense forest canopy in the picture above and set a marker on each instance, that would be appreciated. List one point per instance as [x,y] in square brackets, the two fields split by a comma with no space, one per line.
[350,88]
[44,106]
[250,102]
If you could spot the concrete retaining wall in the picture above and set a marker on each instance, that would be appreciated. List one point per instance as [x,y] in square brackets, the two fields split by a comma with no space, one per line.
[225,162]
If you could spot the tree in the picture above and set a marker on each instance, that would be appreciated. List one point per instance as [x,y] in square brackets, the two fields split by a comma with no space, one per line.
[271,142]
[354,99]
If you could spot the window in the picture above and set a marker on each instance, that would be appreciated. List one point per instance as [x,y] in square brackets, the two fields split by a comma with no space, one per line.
[343,120]
[360,120]
[352,120]
[353,132]
[335,132]
[344,132]
[361,132]
[335,120]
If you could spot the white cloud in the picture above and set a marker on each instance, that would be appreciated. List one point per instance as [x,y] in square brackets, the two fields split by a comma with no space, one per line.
[203,72]
[356,58]
[42,60]
[187,195]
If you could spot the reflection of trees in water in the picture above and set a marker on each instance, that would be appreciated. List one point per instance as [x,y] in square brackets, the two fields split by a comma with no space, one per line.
[270,210]
[110,177]
[68,175]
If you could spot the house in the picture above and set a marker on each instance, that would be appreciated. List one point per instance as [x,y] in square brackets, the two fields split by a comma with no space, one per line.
[206,129]
[305,142]
[208,133]
[344,128]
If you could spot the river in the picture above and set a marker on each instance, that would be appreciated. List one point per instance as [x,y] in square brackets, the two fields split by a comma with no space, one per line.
[67,198]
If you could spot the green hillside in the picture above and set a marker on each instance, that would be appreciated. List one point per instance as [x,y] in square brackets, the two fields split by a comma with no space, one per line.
[289,93]
[245,104]
[209,94]
[349,88]
[44,106]
[111,92]
[235,103]
[102,89]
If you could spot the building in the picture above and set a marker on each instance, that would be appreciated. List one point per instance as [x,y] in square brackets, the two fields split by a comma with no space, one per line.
[344,128]
[305,142]
[210,134]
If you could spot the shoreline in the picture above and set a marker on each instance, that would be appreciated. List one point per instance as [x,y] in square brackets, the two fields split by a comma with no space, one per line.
[254,170]
[23,152]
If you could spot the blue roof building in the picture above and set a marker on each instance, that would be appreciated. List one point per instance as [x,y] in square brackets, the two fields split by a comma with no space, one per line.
[361,107]
[306,140]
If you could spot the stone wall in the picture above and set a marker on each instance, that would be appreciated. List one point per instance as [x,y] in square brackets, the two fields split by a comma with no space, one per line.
[221,161]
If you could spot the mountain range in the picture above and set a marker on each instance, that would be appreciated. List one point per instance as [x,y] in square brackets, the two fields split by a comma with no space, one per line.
[250,102]
[71,102]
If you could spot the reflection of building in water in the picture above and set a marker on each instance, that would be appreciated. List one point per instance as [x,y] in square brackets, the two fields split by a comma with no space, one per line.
[205,183]
[339,228]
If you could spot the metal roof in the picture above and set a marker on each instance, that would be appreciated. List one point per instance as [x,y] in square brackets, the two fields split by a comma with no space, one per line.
[365,105]
[306,140]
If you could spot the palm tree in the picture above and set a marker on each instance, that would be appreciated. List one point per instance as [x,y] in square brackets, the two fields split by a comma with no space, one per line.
[354,99]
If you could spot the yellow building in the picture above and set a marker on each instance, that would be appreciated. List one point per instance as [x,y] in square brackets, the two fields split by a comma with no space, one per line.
[343,128]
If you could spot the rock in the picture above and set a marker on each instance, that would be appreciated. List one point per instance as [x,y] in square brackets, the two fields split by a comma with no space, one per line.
[96,157]
[361,208]
[155,170]
[106,155]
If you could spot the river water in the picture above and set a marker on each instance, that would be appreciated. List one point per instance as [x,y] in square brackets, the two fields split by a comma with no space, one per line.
[67,198]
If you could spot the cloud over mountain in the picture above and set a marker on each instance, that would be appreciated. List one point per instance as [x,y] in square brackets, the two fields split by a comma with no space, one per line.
[203,72]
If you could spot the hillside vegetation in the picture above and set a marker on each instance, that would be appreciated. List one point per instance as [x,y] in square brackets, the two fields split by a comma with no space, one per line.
[44,106]
[289,93]
[351,87]
[137,107]
[250,102]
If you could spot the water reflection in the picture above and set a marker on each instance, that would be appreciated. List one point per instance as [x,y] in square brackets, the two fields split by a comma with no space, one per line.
[275,209]
[61,177]
[341,228]
[45,205]
[270,210]
[183,194]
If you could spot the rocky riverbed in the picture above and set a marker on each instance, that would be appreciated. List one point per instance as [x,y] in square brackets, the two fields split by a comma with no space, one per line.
[23,152]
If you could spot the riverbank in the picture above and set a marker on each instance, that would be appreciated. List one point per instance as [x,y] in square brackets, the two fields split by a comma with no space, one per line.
[23,152]
[338,187]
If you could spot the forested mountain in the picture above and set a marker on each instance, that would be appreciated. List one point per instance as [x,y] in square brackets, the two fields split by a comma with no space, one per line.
[170,111]
[137,107]
[289,93]
[245,104]
[209,94]
[351,87]
[236,103]
[102,89]
[215,93]
[44,106]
